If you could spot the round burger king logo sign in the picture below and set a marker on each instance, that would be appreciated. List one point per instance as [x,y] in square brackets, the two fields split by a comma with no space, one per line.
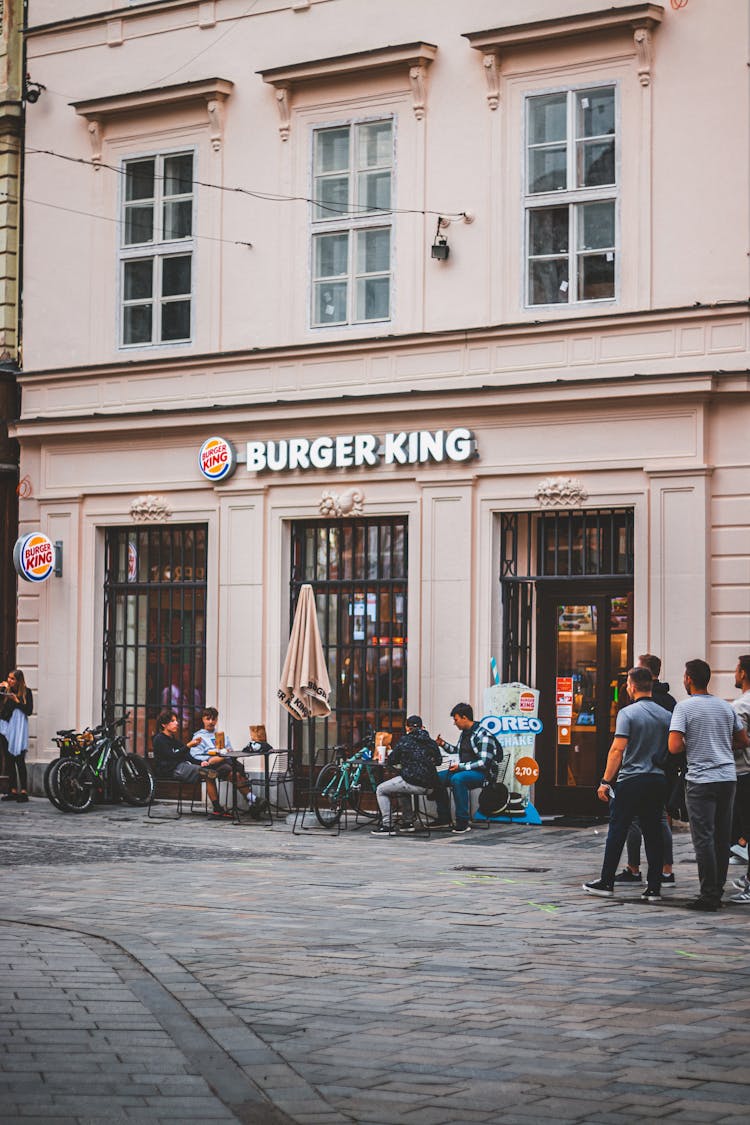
[34,557]
[217,459]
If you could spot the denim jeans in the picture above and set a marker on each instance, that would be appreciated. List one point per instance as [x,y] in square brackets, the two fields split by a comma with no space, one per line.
[461,781]
[642,796]
[710,809]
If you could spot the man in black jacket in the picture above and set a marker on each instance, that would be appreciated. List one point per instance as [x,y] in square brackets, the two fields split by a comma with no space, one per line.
[173,760]
[416,756]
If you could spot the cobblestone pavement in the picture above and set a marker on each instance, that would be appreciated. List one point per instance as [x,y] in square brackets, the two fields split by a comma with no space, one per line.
[197,971]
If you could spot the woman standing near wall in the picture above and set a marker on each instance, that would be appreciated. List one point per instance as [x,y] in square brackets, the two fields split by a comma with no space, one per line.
[16,704]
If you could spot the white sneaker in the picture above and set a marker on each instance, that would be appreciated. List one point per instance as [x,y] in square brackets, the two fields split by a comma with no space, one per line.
[742,884]
[736,859]
[739,850]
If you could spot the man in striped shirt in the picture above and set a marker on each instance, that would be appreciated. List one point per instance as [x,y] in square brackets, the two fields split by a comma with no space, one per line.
[709,730]
[478,756]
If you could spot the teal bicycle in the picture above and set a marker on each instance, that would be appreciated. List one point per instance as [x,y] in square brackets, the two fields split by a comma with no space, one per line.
[347,782]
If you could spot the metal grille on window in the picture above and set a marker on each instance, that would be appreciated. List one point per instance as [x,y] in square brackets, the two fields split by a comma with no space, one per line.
[358,571]
[557,545]
[155,627]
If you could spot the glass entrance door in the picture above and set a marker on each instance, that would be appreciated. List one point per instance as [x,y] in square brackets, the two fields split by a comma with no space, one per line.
[585,650]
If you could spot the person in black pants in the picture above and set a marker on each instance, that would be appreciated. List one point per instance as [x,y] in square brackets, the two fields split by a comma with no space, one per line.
[173,761]
[16,704]
[636,760]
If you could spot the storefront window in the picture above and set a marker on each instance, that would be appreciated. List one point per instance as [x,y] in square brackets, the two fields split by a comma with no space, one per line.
[154,627]
[358,572]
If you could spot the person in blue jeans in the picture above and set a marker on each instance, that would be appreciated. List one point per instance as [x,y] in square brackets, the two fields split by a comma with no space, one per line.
[478,756]
[636,760]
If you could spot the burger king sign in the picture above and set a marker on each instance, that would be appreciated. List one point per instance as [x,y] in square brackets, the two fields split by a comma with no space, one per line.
[217,459]
[34,557]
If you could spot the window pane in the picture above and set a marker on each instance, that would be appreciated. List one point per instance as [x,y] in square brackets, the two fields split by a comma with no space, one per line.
[373,251]
[548,282]
[139,225]
[375,144]
[138,279]
[596,225]
[178,174]
[595,113]
[175,320]
[596,277]
[373,298]
[596,163]
[548,169]
[332,150]
[175,276]
[331,255]
[374,192]
[139,179]
[136,321]
[332,196]
[330,302]
[548,231]
[178,220]
[547,119]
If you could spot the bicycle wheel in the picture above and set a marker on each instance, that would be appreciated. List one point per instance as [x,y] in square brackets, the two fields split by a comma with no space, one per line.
[134,779]
[75,786]
[362,795]
[329,795]
[50,783]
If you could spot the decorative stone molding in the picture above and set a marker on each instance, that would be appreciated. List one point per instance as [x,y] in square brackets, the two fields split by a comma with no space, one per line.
[207,95]
[349,503]
[491,63]
[644,51]
[638,20]
[115,35]
[207,14]
[412,59]
[150,509]
[560,491]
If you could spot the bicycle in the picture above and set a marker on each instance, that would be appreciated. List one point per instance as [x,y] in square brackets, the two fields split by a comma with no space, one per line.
[348,780]
[79,779]
[70,744]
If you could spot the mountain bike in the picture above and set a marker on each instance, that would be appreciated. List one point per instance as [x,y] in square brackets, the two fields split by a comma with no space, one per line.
[349,780]
[104,767]
[70,744]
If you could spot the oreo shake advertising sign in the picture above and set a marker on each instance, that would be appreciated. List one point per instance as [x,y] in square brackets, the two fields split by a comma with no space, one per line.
[217,459]
[34,557]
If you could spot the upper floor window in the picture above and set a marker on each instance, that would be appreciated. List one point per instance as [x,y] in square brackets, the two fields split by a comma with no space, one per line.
[571,196]
[156,254]
[351,223]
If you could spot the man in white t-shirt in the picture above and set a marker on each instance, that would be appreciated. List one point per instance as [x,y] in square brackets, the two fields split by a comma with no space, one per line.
[709,730]
[742,764]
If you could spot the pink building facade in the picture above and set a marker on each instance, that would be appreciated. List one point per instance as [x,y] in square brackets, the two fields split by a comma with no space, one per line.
[533,449]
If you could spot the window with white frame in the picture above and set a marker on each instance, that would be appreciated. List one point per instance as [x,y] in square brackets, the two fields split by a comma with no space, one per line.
[351,223]
[571,196]
[156,253]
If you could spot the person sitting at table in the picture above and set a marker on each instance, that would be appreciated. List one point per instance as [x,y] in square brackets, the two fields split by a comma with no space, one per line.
[478,755]
[221,761]
[174,762]
[416,757]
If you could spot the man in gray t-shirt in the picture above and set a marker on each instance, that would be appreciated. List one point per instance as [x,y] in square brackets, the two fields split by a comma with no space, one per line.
[636,759]
[709,730]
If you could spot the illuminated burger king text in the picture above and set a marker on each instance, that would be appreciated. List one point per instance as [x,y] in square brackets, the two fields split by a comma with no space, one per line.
[361,450]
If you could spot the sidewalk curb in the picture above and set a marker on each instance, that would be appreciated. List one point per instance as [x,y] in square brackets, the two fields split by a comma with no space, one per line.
[175,997]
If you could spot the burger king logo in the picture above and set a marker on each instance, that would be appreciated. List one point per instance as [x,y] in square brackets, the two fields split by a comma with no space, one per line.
[34,557]
[217,459]
[527,703]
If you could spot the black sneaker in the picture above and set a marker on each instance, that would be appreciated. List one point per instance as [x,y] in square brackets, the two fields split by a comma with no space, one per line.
[650,896]
[603,890]
[668,880]
[702,904]
[461,828]
[628,876]
[441,826]
[381,830]
[406,828]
